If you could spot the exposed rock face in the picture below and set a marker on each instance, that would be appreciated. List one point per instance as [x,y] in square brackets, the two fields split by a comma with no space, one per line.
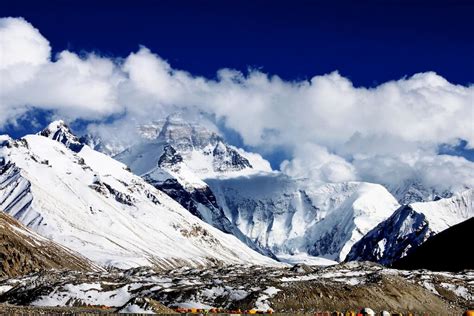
[391,240]
[169,157]
[188,199]
[23,251]
[60,131]
[227,158]
[15,193]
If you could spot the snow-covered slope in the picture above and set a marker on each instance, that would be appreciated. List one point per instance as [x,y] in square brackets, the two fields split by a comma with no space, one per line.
[412,225]
[292,217]
[92,204]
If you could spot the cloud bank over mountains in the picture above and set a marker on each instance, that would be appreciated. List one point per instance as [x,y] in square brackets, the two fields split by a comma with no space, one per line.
[333,130]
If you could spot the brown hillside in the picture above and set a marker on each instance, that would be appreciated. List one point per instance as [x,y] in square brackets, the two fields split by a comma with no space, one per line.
[23,251]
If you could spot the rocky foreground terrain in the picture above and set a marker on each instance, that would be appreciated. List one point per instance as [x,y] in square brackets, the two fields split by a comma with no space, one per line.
[286,290]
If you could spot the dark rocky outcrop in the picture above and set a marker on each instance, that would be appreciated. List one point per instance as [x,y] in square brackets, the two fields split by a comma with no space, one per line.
[446,251]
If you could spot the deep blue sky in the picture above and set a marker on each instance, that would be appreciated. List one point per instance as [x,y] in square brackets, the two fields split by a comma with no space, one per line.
[368,41]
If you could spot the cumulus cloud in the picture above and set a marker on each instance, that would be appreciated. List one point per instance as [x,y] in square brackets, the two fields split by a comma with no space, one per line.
[22,51]
[21,44]
[337,131]
[74,86]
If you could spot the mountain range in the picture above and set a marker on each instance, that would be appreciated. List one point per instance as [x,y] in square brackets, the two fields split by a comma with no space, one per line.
[182,196]
[94,205]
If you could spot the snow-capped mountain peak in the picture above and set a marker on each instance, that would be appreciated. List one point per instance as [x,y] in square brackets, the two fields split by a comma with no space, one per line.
[239,193]
[201,148]
[60,131]
[177,157]
[186,136]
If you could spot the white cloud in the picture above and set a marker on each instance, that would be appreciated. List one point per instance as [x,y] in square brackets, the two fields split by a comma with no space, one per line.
[387,132]
[315,162]
[22,51]
[21,44]
[73,86]
[441,172]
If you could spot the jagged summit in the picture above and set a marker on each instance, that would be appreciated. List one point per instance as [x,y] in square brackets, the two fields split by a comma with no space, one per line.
[202,149]
[169,157]
[59,131]
[189,139]
[226,157]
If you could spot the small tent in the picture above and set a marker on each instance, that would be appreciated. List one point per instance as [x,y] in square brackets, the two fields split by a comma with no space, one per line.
[367,311]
